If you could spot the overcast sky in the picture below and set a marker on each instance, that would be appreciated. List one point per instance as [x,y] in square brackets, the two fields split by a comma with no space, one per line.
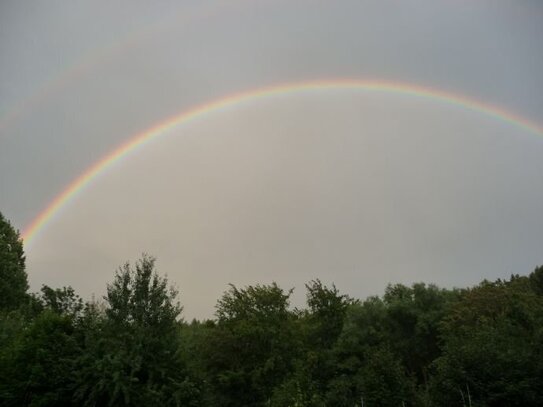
[356,188]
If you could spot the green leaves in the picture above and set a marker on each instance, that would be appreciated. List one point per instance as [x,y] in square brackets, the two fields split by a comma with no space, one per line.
[140,297]
[38,371]
[13,279]
[492,343]
[415,345]
[132,353]
[250,351]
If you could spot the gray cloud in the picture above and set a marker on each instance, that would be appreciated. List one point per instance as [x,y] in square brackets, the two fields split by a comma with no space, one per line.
[360,189]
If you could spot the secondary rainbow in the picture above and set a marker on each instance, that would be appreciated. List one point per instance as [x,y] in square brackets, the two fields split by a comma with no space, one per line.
[139,140]
[85,63]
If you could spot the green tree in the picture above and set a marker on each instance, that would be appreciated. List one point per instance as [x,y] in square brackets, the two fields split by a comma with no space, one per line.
[413,317]
[194,337]
[38,370]
[250,351]
[326,314]
[13,279]
[62,301]
[492,347]
[132,353]
[536,280]
[318,328]
[365,361]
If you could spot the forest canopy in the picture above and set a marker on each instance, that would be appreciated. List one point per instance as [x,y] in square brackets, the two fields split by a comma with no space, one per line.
[418,345]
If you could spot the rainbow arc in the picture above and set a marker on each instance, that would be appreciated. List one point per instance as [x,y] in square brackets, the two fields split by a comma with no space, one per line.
[139,140]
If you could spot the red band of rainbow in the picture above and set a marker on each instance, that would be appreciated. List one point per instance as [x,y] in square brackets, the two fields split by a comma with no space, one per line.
[38,224]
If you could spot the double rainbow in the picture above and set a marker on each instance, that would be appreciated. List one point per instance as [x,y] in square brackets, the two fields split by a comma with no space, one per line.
[139,140]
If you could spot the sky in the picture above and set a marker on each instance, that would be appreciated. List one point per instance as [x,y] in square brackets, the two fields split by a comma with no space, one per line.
[357,188]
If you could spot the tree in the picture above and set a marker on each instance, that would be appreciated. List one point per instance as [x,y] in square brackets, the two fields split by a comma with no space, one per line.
[319,328]
[413,317]
[536,280]
[62,301]
[365,362]
[38,370]
[327,309]
[251,349]
[492,347]
[13,278]
[132,355]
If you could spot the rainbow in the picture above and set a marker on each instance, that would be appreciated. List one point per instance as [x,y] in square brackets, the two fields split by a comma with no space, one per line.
[139,140]
[85,63]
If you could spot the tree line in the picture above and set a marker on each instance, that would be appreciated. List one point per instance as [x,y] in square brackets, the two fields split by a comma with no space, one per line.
[417,345]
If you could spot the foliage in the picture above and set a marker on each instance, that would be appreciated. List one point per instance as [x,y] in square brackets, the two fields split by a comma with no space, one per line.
[132,353]
[416,345]
[37,371]
[62,301]
[13,279]
[252,347]
[367,366]
[318,329]
[493,346]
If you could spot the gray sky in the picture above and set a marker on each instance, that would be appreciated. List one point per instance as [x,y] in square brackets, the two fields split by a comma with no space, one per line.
[356,188]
